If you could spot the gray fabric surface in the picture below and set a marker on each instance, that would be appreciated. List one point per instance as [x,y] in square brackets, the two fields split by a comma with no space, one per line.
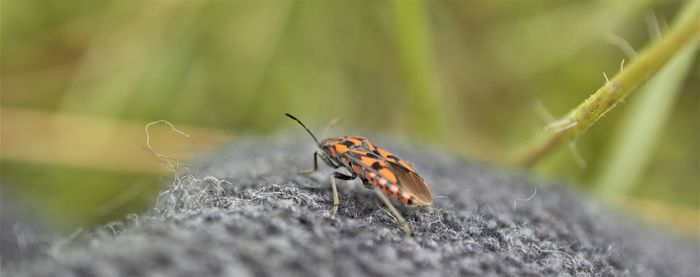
[244,211]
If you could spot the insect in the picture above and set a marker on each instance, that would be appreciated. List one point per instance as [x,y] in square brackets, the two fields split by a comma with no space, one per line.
[378,169]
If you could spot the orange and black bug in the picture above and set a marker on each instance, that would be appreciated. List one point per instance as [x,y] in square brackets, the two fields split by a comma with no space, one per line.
[377,168]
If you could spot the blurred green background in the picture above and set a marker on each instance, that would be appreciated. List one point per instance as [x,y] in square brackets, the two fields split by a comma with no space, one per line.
[80,79]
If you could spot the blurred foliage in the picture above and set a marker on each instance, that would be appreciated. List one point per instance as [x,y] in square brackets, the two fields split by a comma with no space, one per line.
[462,74]
[72,197]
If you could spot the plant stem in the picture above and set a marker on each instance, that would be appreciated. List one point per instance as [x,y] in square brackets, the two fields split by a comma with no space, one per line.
[642,125]
[578,120]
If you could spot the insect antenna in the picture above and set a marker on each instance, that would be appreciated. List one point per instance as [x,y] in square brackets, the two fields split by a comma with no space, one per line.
[302,125]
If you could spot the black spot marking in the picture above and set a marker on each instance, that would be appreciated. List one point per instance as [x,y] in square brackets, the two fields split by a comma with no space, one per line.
[377,166]
[347,143]
[410,201]
[370,155]
[392,157]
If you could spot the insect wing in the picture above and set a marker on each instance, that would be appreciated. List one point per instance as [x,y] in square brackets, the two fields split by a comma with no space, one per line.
[410,182]
[393,159]
[395,171]
[370,162]
[408,178]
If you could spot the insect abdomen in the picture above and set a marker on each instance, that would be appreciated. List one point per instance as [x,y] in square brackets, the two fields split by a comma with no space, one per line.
[389,188]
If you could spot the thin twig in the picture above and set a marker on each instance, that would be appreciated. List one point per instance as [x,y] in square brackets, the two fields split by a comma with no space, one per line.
[170,162]
[619,87]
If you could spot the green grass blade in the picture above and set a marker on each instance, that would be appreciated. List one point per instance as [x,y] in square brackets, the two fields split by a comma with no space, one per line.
[422,88]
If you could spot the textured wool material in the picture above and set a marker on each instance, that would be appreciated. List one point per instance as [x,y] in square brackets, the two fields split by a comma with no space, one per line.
[245,211]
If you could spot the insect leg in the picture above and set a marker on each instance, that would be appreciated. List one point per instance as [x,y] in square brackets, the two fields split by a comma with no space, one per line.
[336,199]
[395,213]
[311,170]
[342,176]
[327,160]
[324,158]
